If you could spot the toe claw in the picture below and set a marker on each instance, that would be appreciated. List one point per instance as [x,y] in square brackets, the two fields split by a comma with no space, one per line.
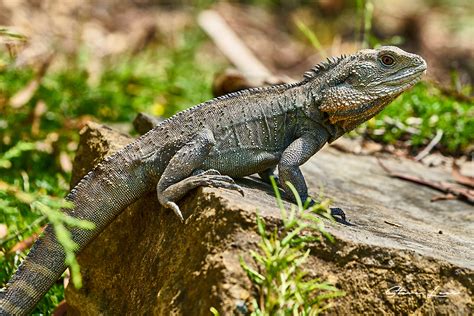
[236,187]
[340,217]
[230,186]
[176,210]
[336,211]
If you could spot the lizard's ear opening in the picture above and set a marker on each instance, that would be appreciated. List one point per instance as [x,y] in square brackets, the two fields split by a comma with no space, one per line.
[351,79]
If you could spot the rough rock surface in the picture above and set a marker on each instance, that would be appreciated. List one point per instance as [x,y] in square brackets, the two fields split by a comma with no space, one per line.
[147,262]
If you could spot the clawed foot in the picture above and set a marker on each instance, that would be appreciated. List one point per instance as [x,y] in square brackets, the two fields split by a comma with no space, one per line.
[218,181]
[339,215]
[213,178]
[207,178]
[336,212]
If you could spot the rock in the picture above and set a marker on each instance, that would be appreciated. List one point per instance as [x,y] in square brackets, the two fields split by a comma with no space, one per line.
[144,122]
[393,261]
[97,141]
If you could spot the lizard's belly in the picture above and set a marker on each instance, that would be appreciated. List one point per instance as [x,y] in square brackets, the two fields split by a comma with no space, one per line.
[239,163]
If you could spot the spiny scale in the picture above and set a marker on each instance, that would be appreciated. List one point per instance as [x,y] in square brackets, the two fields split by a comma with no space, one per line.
[329,63]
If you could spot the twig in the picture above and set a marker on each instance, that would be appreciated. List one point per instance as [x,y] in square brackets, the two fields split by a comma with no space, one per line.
[231,45]
[393,224]
[461,179]
[422,154]
[443,197]
[461,193]
[26,243]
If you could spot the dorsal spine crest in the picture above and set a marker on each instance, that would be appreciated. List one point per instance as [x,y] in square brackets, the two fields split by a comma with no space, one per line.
[323,66]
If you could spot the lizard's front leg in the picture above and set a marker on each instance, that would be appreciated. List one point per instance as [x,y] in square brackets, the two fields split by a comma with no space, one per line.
[182,174]
[293,157]
[296,154]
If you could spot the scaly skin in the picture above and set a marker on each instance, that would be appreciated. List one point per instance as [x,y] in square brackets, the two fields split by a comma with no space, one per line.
[247,132]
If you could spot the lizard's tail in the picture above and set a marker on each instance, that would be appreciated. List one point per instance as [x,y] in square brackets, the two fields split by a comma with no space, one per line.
[99,197]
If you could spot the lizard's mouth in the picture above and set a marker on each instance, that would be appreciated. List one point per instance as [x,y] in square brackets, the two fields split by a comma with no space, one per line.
[407,75]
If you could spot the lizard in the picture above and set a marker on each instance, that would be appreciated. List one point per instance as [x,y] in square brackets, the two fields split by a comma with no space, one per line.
[236,135]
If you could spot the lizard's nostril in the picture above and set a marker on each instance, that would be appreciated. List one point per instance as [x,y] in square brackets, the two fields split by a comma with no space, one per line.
[421,62]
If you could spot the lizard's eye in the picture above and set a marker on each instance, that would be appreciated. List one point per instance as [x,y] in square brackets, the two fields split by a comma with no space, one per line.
[387,60]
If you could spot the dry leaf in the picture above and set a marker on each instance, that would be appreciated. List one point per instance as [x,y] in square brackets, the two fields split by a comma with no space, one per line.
[3,231]
[61,309]
[369,147]
[38,112]
[67,278]
[24,244]
[65,162]
[24,95]
[436,159]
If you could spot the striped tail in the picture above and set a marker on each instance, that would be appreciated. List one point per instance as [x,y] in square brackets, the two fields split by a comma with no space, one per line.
[99,197]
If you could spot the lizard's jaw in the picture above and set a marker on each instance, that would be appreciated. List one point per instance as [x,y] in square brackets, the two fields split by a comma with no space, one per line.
[407,75]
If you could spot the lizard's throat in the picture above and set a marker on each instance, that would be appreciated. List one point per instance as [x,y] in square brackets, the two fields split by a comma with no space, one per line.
[348,120]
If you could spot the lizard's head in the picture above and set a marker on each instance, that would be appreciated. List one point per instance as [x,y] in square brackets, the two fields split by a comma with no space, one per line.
[360,85]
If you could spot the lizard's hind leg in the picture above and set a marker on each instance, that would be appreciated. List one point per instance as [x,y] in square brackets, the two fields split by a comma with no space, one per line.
[183,173]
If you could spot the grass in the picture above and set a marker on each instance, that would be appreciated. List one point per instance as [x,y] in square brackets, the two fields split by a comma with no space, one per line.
[282,285]
[418,114]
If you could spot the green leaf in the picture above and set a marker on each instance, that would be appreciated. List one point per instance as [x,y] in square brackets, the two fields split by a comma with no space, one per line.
[311,36]
[59,219]
[295,193]
[214,311]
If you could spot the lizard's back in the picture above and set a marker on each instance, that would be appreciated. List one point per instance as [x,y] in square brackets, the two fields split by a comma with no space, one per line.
[251,127]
